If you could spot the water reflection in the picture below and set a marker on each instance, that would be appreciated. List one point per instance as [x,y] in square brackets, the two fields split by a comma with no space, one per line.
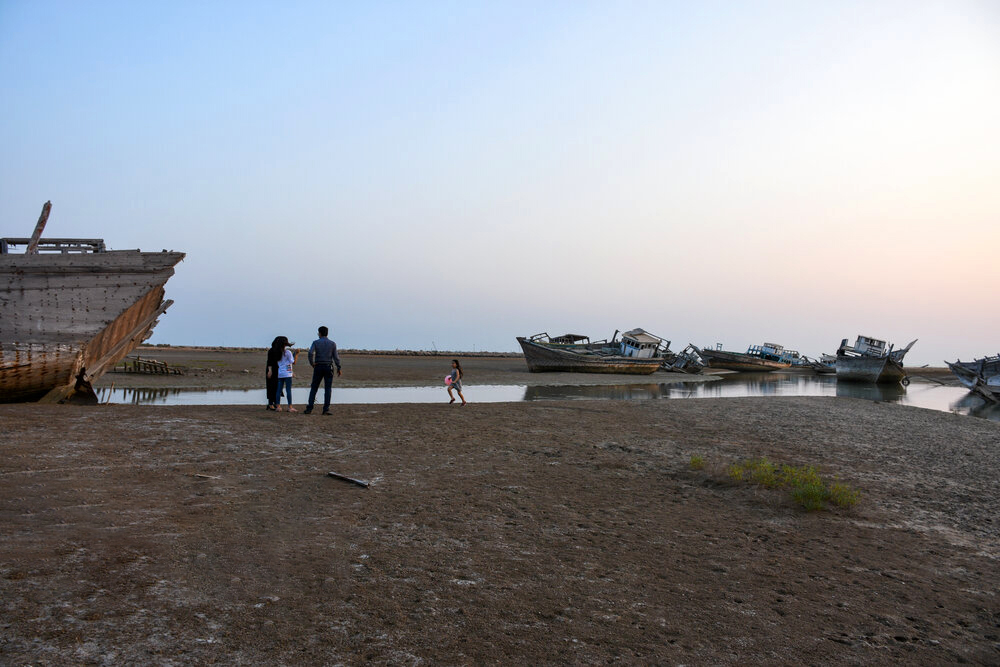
[148,396]
[595,392]
[976,406]
[934,397]
[890,393]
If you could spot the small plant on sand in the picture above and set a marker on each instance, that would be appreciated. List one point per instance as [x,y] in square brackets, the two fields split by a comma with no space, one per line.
[842,495]
[697,462]
[810,495]
[804,483]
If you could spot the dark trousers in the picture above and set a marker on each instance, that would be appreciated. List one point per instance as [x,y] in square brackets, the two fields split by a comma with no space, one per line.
[272,386]
[324,373]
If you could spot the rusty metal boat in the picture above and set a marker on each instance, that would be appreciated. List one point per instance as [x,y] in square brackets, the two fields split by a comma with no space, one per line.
[71,309]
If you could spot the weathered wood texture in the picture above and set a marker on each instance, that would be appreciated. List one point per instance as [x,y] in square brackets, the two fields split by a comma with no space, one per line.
[550,358]
[869,369]
[68,298]
[737,361]
[67,314]
[39,226]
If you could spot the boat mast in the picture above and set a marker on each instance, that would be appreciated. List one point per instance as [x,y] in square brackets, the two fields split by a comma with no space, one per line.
[37,234]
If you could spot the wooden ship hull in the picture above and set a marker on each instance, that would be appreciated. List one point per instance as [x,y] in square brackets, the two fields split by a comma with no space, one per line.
[553,357]
[737,361]
[981,376]
[870,360]
[869,369]
[69,317]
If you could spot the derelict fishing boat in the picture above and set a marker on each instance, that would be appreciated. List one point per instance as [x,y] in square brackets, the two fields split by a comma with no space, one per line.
[758,358]
[825,365]
[981,376]
[637,353]
[71,309]
[869,360]
[686,361]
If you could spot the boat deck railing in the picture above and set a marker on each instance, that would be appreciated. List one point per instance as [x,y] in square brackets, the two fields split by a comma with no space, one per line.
[55,246]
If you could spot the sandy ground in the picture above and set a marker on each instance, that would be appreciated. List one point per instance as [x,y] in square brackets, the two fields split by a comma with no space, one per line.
[518,533]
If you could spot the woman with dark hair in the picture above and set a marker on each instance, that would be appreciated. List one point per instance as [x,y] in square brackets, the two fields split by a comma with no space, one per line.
[274,355]
[454,381]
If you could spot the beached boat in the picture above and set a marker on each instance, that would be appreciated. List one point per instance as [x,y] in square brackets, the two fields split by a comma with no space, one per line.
[71,309]
[981,376]
[686,361]
[636,353]
[758,358]
[869,360]
[825,365]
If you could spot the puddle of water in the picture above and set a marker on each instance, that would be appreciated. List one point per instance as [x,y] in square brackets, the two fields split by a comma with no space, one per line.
[934,397]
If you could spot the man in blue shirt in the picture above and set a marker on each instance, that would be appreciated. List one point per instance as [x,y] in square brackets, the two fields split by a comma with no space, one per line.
[322,357]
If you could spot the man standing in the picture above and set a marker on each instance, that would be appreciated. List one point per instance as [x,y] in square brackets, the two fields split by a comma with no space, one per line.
[322,357]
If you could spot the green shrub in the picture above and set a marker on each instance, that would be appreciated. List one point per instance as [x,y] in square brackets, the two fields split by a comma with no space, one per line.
[804,483]
[811,496]
[842,495]
[697,462]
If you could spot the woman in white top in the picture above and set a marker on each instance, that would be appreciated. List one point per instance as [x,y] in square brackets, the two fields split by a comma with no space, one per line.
[285,373]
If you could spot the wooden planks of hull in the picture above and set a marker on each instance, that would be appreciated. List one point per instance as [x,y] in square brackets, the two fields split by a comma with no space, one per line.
[546,358]
[735,361]
[869,369]
[68,318]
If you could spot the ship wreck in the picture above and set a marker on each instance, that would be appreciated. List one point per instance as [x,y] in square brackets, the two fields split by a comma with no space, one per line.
[758,358]
[980,376]
[72,309]
[637,353]
[869,360]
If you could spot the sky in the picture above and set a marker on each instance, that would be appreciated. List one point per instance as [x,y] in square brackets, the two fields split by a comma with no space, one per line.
[451,175]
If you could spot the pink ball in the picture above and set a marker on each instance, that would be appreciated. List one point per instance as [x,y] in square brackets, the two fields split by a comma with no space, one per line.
[447,379]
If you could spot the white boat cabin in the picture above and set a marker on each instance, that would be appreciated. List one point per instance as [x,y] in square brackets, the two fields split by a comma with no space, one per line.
[639,344]
[865,346]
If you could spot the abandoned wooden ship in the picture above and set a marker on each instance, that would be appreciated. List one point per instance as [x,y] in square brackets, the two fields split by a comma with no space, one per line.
[71,310]
[869,360]
[758,358]
[686,361]
[637,353]
[825,365]
[981,376]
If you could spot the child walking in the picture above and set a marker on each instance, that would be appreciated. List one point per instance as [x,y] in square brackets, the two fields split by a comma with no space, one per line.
[456,381]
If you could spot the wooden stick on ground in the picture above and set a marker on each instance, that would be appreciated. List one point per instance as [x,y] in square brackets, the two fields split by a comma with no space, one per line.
[337,475]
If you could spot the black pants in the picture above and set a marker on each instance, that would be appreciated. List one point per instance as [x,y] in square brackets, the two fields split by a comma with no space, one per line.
[272,386]
[321,373]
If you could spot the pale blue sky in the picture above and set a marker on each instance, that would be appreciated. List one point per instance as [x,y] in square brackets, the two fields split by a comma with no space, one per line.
[456,174]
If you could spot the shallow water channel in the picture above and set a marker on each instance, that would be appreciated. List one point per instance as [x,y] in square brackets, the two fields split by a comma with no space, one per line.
[923,395]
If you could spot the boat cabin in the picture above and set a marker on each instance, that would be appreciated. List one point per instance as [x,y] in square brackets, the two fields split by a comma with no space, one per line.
[569,339]
[771,351]
[639,344]
[865,346]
